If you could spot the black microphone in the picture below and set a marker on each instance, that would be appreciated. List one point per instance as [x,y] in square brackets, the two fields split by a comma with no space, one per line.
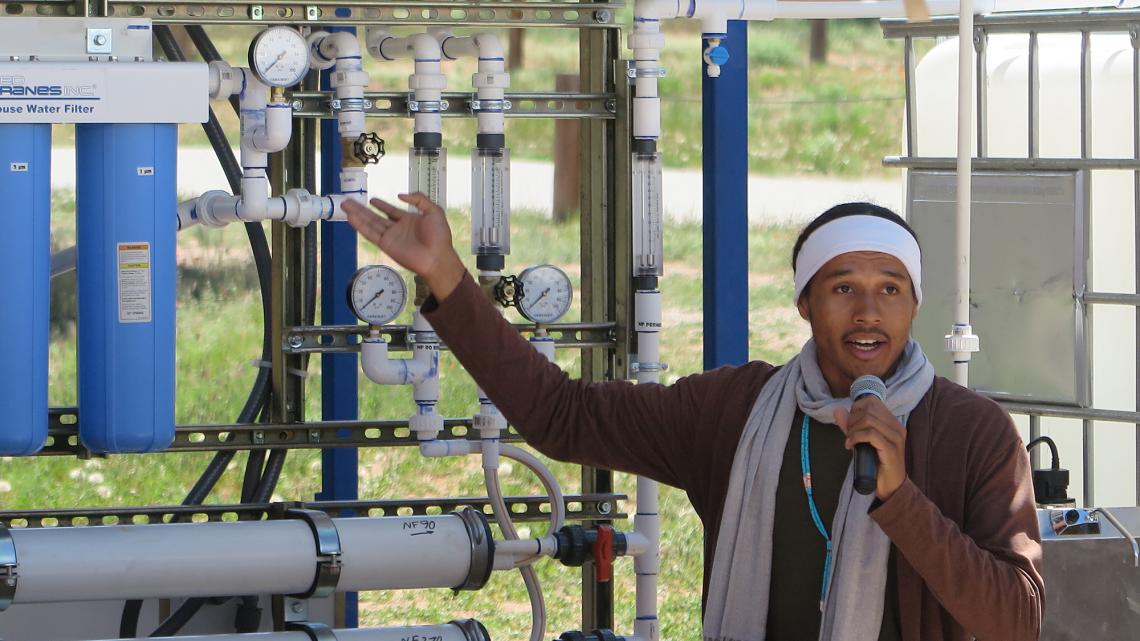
[866,463]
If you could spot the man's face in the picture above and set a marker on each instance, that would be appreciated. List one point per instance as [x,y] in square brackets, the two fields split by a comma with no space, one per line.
[860,306]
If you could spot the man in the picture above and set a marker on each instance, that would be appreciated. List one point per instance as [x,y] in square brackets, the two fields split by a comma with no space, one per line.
[946,548]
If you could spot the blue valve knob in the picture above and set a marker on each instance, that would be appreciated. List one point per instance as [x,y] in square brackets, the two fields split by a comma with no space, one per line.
[717,55]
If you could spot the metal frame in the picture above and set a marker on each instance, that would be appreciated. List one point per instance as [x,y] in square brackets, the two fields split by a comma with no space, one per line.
[1085,22]
[603,335]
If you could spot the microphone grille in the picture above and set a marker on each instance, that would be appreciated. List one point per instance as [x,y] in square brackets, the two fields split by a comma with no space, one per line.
[869,384]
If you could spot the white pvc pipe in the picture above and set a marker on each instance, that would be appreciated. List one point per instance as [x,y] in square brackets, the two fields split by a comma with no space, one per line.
[965,174]
[187,214]
[647,522]
[349,79]
[382,370]
[296,208]
[646,41]
[427,83]
[447,632]
[491,79]
[203,559]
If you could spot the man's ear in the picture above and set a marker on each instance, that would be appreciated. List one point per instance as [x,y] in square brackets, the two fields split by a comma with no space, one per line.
[803,307]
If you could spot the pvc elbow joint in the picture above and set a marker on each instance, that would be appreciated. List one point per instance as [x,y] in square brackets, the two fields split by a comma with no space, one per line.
[388,371]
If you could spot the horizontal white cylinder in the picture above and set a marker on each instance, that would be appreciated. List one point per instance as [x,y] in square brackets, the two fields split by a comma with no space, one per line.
[212,559]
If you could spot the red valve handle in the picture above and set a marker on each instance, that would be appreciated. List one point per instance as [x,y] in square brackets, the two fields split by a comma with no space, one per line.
[604,554]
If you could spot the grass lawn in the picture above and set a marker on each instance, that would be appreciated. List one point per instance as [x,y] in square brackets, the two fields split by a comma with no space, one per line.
[219,328]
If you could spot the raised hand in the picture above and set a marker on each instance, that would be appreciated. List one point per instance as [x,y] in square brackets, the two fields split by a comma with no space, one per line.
[418,240]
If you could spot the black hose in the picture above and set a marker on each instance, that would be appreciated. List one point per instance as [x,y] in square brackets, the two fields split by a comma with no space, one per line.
[1052,449]
[129,622]
[179,617]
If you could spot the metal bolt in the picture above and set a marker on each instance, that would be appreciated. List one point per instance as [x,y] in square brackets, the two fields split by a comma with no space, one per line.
[604,507]
[256,12]
[312,13]
[602,16]
[296,340]
[259,437]
[611,106]
[298,105]
[297,607]
[315,436]
[100,40]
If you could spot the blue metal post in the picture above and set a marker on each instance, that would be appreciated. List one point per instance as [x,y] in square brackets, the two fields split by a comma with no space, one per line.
[338,371]
[725,126]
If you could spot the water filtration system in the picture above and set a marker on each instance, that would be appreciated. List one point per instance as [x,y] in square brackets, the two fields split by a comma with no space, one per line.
[98,75]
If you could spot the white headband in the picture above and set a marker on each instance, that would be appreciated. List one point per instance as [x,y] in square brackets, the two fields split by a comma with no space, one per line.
[855,234]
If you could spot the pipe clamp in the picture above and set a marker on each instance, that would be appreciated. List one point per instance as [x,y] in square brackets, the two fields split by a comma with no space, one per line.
[328,551]
[348,104]
[9,566]
[427,106]
[646,72]
[648,367]
[490,106]
[316,631]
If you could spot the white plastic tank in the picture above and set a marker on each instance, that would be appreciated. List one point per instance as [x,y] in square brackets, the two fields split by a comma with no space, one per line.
[1111,263]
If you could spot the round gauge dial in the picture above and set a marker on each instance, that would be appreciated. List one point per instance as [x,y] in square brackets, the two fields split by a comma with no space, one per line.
[547,293]
[279,56]
[377,294]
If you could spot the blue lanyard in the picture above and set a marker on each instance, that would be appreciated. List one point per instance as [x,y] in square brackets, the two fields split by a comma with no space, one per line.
[805,466]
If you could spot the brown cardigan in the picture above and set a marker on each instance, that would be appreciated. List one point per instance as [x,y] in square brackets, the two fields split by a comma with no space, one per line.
[963,524]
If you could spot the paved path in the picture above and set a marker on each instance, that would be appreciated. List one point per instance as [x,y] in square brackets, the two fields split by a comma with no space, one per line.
[771,199]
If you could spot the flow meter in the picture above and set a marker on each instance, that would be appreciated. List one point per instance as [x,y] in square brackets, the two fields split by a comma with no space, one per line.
[546,293]
[279,56]
[377,294]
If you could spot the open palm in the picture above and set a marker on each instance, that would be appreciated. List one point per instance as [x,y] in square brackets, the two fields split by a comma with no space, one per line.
[419,241]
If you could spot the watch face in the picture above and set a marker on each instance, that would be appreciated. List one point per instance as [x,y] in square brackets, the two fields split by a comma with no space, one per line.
[547,293]
[377,294]
[279,56]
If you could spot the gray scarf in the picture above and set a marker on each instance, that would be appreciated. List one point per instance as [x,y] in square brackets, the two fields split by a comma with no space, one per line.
[737,607]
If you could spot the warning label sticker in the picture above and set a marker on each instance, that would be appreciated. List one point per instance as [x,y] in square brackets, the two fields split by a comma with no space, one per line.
[134,283]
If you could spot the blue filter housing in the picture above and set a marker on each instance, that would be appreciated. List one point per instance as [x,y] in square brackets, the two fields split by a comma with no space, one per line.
[25,259]
[126,210]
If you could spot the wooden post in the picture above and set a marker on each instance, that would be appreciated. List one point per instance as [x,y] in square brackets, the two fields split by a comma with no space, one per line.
[516,57]
[819,42]
[567,151]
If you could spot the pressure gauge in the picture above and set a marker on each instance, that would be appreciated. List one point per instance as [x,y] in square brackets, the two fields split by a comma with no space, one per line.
[547,293]
[377,294]
[279,56]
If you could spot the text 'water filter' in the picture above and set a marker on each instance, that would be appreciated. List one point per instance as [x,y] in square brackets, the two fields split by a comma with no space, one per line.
[125,208]
[25,261]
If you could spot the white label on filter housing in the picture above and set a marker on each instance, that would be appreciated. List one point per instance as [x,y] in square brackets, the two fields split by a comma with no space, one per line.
[104,92]
[19,166]
[146,171]
[134,283]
